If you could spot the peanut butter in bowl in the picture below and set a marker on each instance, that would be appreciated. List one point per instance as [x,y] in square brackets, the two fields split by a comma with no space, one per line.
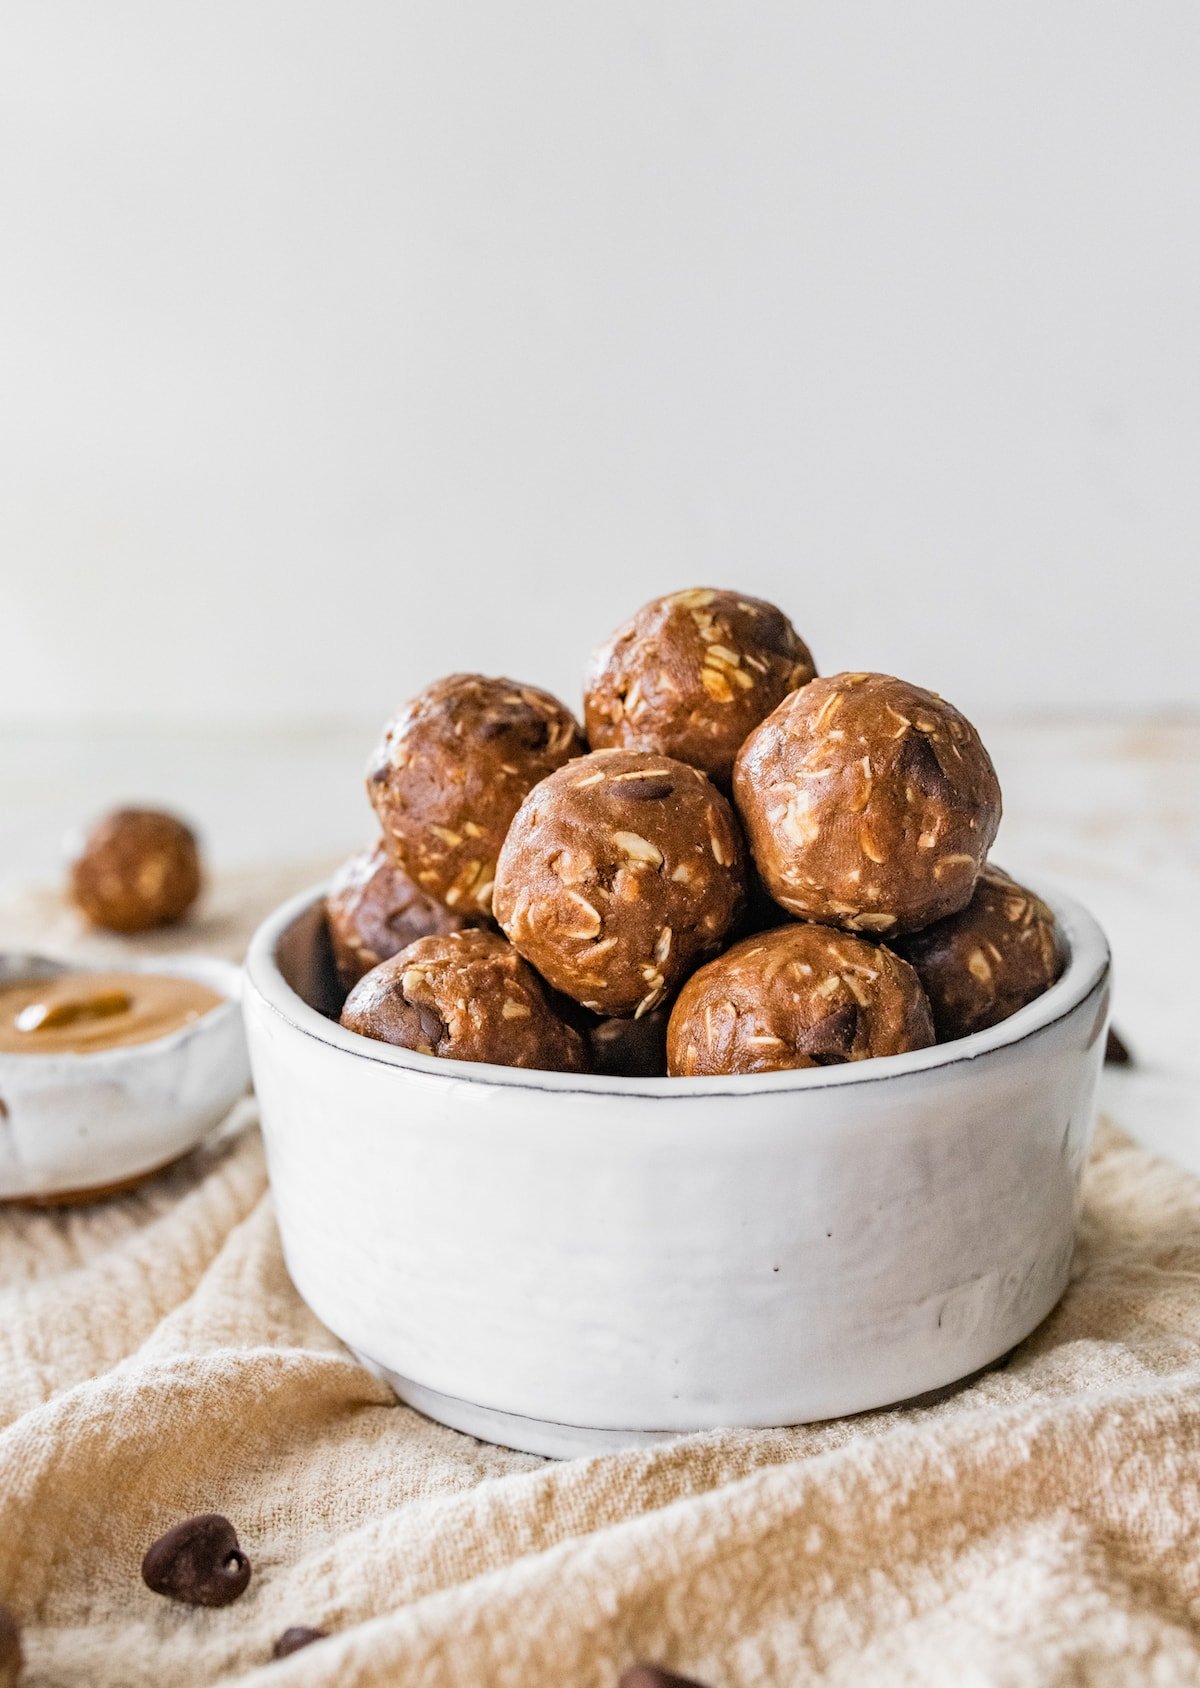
[78,1013]
[108,1076]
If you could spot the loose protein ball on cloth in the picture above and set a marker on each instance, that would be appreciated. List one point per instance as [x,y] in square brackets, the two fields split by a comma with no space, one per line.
[982,964]
[450,775]
[800,996]
[373,911]
[134,869]
[869,804]
[618,874]
[691,674]
[467,996]
[628,1048]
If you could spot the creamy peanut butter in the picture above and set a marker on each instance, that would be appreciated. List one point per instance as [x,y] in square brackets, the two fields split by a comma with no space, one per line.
[77,1013]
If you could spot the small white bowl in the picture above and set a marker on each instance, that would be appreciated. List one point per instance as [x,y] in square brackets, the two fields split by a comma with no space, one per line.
[567,1265]
[71,1124]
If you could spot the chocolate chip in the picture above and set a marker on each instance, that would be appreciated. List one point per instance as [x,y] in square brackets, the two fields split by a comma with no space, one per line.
[644,791]
[918,762]
[536,735]
[526,726]
[11,1657]
[651,1676]
[292,1640]
[199,1562]
[433,1027]
[1116,1050]
[830,1041]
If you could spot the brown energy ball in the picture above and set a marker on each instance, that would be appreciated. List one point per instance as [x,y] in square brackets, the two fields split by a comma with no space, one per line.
[373,911]
[467,996]
[691,674]
[618,874]
[625,1048]
[451,773]
[800,996]
[982,964]
[869,804]
[136,868]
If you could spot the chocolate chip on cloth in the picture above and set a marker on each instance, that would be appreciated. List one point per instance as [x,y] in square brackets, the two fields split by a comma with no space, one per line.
[198,1562]
[135,869]
[982,964]
[869,804]
[651,1676]
[373,911]
[619,873]
[11,1655]
[466,996]
[451,773]
[292,1640]
[800,996]
[1117,1052]
[691,674]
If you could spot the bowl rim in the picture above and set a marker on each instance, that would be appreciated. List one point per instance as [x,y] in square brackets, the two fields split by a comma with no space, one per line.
[224,977]
[1088,965]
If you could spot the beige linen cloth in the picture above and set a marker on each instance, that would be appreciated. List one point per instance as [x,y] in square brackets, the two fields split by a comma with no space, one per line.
[1039,1526]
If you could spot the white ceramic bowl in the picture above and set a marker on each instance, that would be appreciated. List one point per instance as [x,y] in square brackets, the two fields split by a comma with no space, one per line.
[568,1264]
[85,1122]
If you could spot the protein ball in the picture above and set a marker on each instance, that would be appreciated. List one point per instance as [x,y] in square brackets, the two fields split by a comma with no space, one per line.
[800,996]
[869,804]
[982,964]
[373,911]
[466,996]
[135,869]
[451,772]
[618,874]
[691,674]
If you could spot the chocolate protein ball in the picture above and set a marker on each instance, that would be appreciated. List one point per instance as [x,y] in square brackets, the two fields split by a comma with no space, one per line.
[451,773]
[467,996]
[691,674]
[374,910]
[982,964]
[619,873]
[869,804]
[800,996]
[136,868]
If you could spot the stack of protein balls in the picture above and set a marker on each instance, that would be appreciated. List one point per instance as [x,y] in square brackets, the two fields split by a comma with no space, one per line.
[749,869]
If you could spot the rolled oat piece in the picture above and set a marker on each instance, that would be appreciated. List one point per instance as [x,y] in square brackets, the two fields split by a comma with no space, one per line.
[373,911]
[800,996]
[619,873]
[466,996]
[451,772]
[982,964]
[136,869]
[691,674]
[869,804]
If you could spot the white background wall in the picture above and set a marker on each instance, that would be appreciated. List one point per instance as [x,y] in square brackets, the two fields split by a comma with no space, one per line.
[345,343]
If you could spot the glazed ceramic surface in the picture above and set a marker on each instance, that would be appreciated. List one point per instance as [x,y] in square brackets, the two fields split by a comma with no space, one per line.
[82,1122]
[568,1264]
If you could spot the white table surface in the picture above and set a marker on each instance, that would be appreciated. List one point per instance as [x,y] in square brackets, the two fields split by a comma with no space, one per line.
[1107,808]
